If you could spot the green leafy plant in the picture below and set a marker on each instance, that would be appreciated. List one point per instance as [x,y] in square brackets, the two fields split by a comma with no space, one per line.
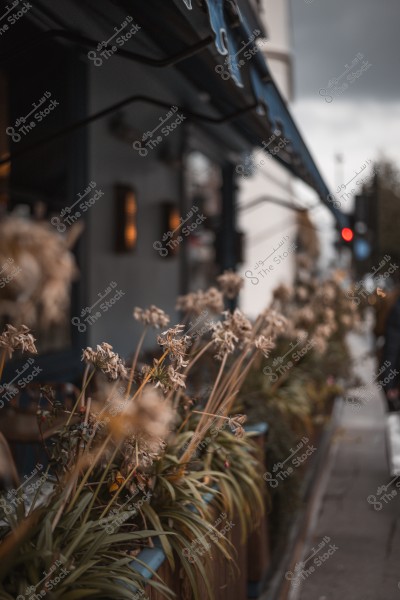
[94,562]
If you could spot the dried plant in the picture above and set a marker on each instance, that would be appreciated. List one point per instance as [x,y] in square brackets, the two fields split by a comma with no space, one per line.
[148,431]
[38,292]
[230,283]
[153,316]
[14,338]
[200,302]
[107,361]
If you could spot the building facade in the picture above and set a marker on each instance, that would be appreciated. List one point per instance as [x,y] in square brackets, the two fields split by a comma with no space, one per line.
[150,112]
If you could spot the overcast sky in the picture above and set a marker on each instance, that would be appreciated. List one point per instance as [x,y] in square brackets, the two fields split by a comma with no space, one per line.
[364,122]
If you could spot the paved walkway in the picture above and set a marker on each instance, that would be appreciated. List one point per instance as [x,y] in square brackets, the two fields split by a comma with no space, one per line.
[361,560]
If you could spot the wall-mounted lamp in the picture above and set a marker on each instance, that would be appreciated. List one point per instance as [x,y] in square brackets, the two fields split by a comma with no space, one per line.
[171,223]
[126,218]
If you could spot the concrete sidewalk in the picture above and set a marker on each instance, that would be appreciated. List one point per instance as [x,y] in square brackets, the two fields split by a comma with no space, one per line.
[361,559]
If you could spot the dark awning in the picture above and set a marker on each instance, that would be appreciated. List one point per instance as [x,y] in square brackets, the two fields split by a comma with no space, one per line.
[240,105]
[230,41]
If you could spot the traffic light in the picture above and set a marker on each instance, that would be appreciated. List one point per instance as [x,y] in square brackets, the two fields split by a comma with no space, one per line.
[357,235]
[363,235]
[347,234]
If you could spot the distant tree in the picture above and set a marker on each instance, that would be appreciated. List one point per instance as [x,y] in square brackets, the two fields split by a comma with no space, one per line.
[384,190]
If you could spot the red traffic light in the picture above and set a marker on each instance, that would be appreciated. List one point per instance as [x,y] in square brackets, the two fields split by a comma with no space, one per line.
[347,234]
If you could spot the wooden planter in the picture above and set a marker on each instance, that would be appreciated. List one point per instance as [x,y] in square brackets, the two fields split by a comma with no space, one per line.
[231,580]
[258,544]
[228,582]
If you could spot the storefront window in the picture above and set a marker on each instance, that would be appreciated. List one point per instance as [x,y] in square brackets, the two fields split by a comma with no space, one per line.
[203,190]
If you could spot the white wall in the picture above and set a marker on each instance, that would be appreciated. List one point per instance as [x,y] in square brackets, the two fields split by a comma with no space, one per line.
[268,224]
[144,277]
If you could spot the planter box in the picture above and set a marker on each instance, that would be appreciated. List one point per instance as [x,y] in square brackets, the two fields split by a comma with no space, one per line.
[258,545]
[228,582]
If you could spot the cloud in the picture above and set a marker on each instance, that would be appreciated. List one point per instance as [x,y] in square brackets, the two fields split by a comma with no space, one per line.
[358,130]
[328,35]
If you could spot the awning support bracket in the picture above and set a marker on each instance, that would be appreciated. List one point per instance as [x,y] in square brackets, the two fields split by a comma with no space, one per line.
[118,105]
[89,43]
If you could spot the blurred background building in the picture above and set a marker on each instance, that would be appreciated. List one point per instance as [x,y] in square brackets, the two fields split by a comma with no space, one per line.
[129,128]
[264,220]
